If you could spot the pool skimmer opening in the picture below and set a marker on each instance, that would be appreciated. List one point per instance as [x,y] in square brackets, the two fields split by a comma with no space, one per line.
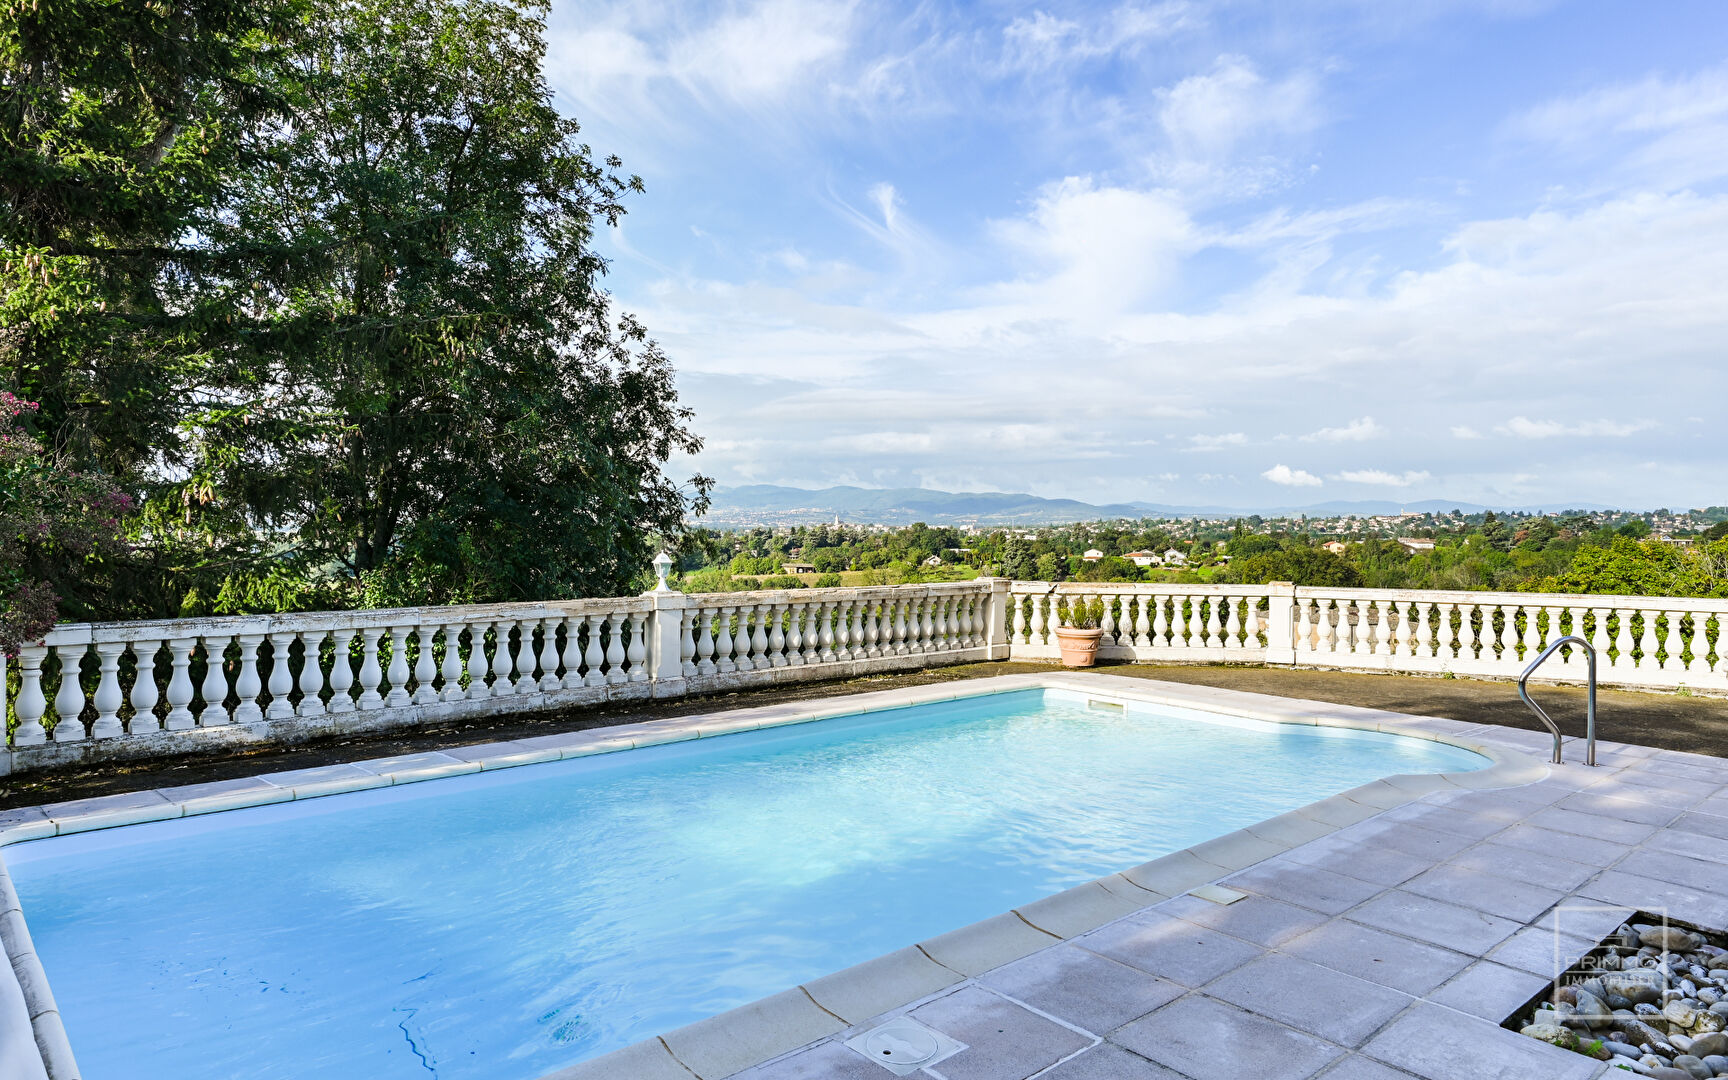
[903,1046]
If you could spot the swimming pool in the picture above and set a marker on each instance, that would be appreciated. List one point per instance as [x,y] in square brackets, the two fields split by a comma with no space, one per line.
[504,924]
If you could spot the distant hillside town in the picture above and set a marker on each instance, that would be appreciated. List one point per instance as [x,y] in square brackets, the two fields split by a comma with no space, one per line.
[1661,552]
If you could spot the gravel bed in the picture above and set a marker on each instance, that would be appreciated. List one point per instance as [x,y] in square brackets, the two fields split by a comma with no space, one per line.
[1652,999]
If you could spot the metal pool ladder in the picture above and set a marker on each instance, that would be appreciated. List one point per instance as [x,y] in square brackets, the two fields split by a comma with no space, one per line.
[1590,707]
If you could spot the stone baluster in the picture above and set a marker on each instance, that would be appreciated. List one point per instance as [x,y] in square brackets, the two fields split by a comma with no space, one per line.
[341,671]
[450,669]
[842,632]
[426,663]
[370,675]
[398,671]
[742,660]
[1554,632]
[281,678]
[777,614]
[687,643]
[1313,626]
[572,658]
[311,673]
[1622,639]
[795,639]
[503,658]
[30,704]
[824,612]
[872,623]
[1159,634]
[478,665]
[1196,637]
[971,609]
[1695,645]
[1140,630]
[614,654]
[108,698]
[1019,620]
[246,683]
[69,701]
[1473,620]
[1647,638]
[214,691]
[1595,631]
[759,636]
[1232,621]
[928,640]
[549,679]
[705,664]
[1037,620]
[593,656]
[938,624]
[527,661]
[144,694]
[902,626]
[1531,634]
[637,650]
[1424,631]
[723,662]
[797,633]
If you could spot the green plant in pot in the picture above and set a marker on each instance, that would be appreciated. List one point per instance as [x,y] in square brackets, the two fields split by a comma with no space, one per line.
[1077,637]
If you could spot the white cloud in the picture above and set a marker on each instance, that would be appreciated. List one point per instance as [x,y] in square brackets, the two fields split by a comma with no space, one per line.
[1383,478]
[1359,430]
[1677,127]
[1042,40]
[1465,431]
[623,62]
[1201,444]
[1208,117]
[1524,428]
[1651,104]
[1095,251]
[1284,474]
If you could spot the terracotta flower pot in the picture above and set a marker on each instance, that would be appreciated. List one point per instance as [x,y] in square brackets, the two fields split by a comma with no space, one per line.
[1079,647]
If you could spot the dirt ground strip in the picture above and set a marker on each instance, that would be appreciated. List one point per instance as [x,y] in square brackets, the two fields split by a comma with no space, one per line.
[1695,725]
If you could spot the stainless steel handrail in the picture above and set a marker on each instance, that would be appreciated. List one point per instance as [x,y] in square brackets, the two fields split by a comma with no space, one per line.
[1590,707]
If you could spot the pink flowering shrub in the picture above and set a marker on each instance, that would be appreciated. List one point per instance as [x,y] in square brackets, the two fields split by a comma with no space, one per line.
[48,515]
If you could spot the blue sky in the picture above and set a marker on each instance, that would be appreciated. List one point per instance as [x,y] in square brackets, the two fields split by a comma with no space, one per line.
[1249,253]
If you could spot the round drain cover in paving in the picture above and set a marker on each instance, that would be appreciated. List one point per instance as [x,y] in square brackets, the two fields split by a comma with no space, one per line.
[901,1045]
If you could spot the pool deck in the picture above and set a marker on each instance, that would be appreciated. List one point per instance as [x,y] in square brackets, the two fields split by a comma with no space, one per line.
[1384,934]
[1386,949]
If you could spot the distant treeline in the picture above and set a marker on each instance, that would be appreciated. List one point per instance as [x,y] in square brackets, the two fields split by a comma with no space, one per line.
[1487,552]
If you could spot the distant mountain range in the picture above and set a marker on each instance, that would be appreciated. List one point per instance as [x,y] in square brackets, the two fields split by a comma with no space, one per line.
[766,504]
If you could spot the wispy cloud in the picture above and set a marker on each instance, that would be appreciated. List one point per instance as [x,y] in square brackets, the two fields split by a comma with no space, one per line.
[1382,478]
[1521,427]
[1288,477]
[1203,444]
[1360,430]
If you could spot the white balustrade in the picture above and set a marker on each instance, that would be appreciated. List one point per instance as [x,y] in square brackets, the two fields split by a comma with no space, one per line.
[92,684]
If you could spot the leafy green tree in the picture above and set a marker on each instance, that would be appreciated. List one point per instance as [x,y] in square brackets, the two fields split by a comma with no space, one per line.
[1017,560]
[1303,566]
[434,395]
[1651,568]
[120,123]
[1052,567]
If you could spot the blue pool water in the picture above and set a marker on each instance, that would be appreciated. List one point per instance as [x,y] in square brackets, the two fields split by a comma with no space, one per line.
[502,925]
